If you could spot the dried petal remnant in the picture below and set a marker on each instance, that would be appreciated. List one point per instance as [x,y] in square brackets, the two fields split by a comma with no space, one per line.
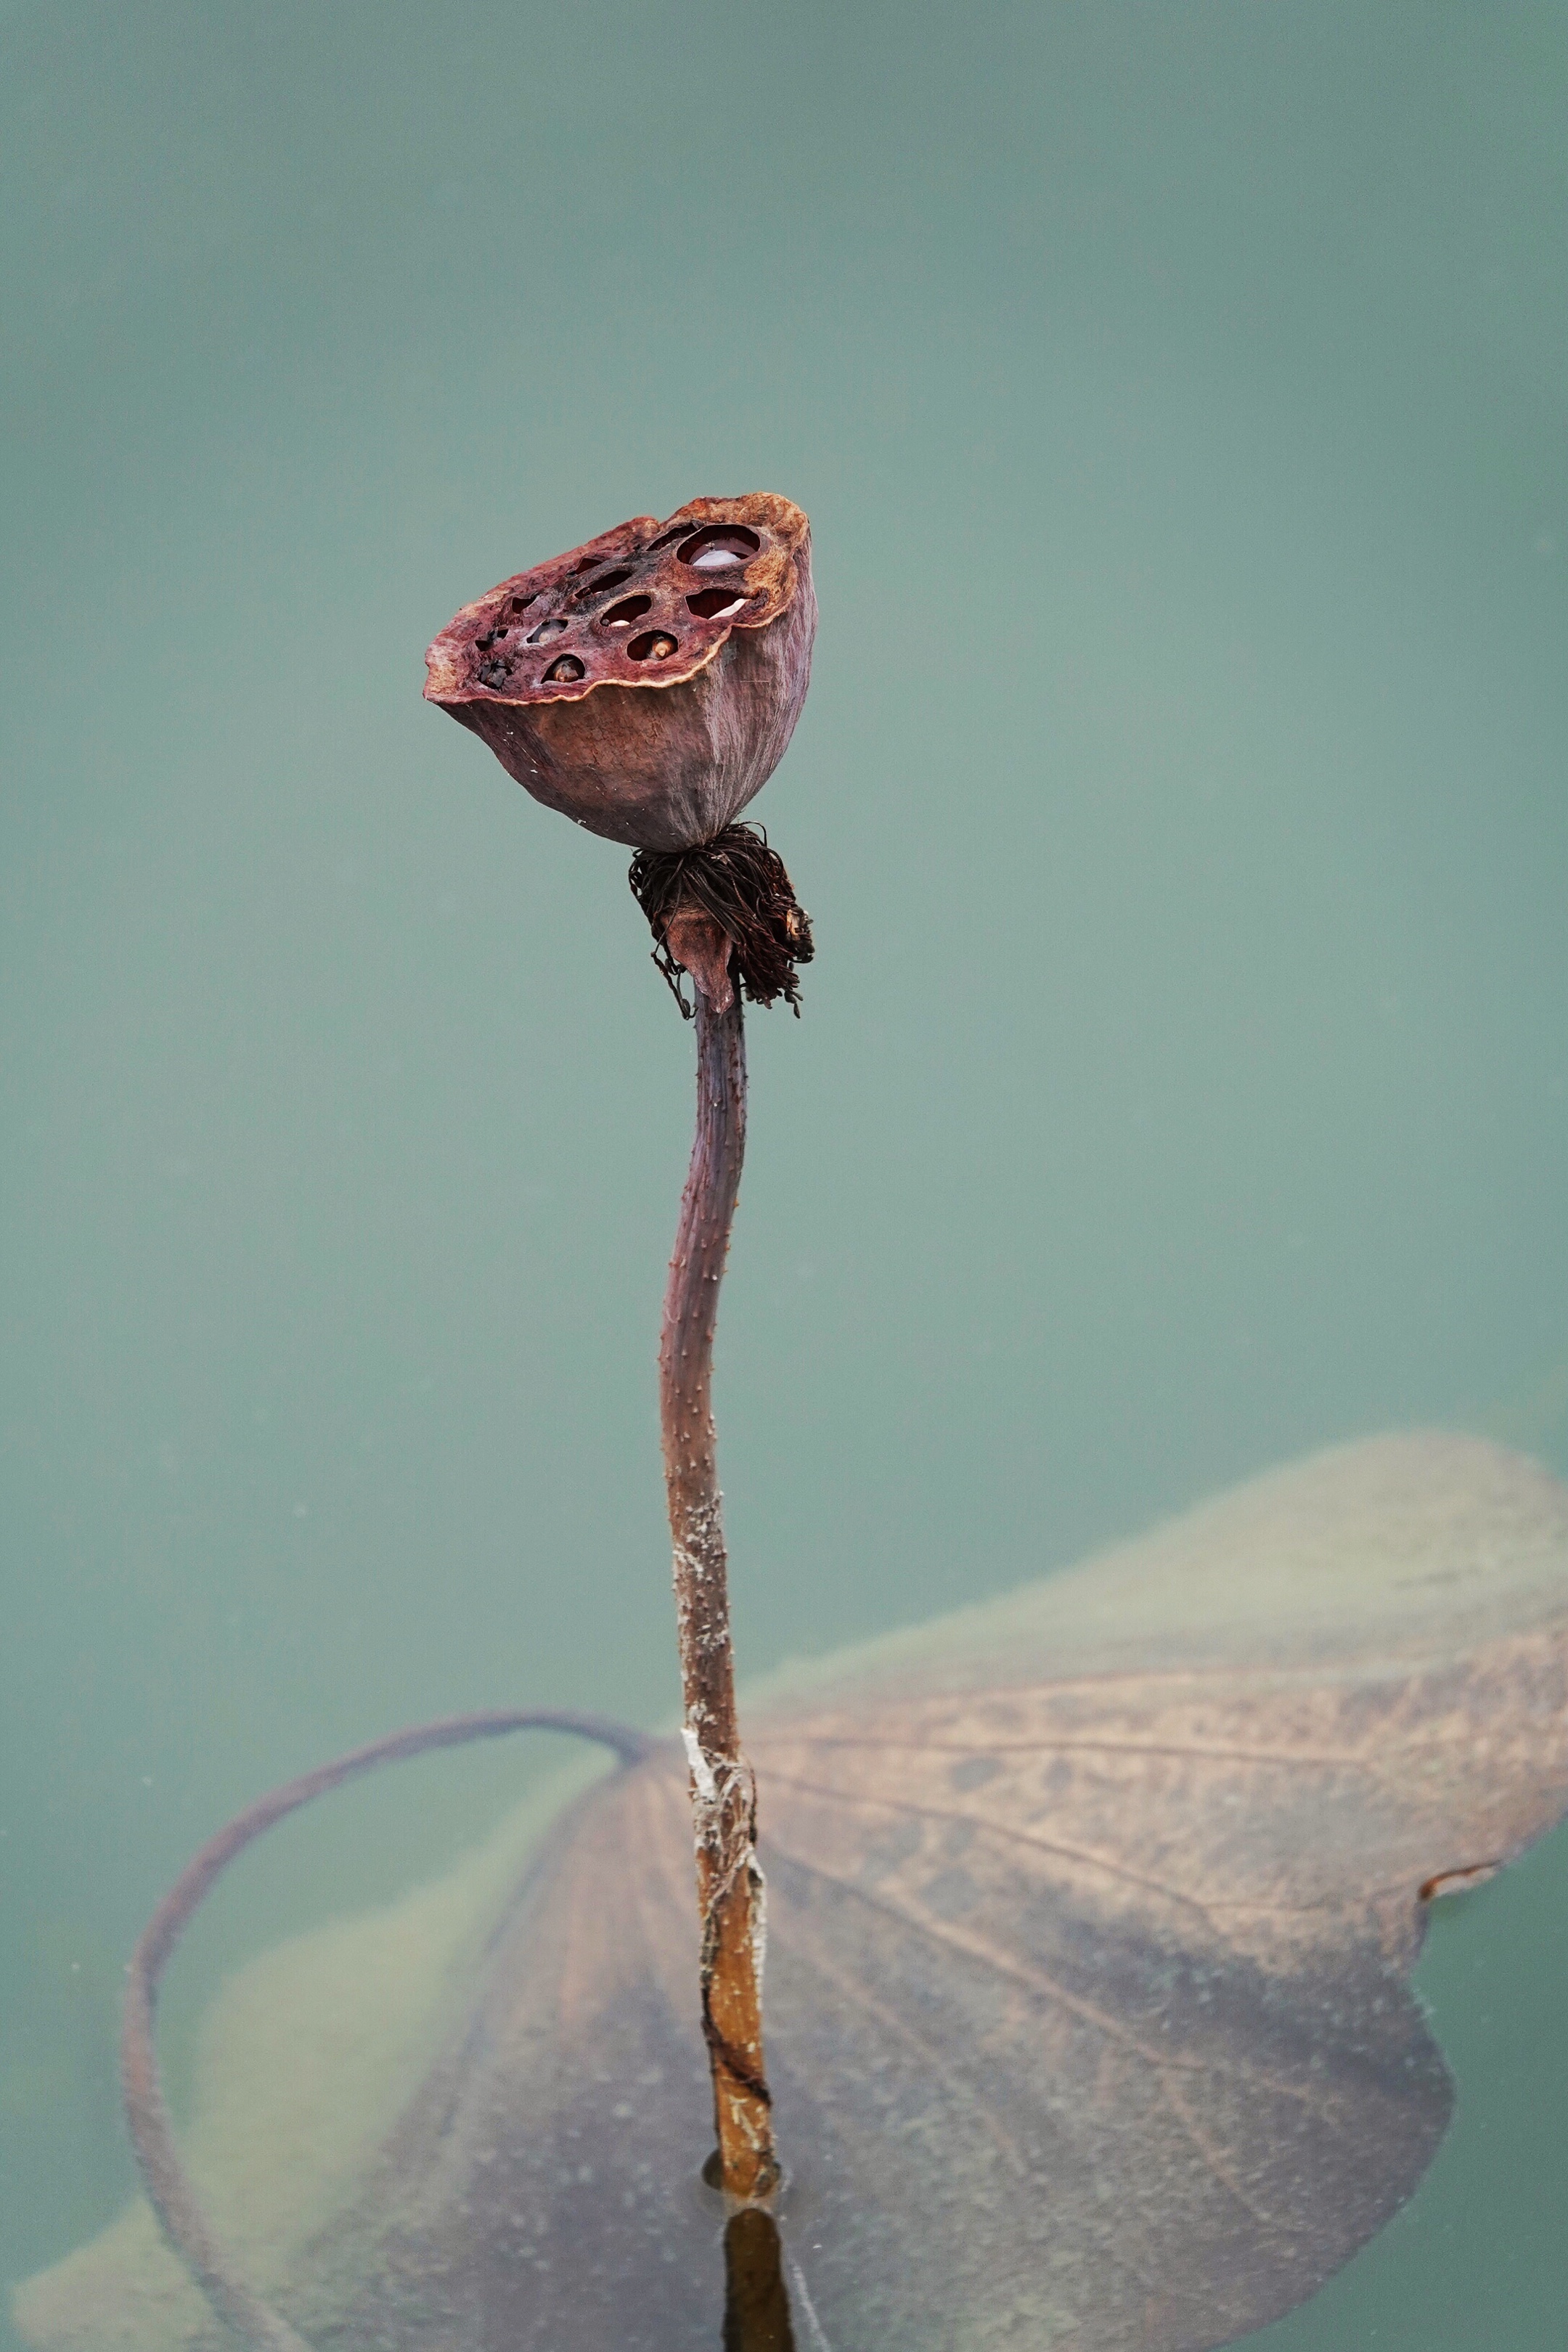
[660,673]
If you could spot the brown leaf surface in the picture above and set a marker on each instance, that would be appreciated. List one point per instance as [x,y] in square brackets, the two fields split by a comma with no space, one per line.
[1091,1916]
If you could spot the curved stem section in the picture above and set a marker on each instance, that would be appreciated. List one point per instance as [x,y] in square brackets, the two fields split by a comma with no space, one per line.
[174,2200]
[730,1886]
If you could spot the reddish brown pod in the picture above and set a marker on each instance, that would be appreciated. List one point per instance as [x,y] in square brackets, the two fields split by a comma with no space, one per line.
[647,683]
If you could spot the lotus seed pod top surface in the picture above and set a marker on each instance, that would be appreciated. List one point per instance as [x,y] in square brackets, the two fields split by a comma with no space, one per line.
[647,683]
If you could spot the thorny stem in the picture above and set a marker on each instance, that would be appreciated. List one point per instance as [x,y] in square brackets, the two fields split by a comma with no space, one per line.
[730,1886]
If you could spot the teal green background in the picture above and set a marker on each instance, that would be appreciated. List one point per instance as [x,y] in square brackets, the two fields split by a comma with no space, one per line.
[1178,394]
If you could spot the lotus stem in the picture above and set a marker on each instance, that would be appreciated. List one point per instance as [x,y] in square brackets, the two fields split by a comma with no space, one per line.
[730,1886]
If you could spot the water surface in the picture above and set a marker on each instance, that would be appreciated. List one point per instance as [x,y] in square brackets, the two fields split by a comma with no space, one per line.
[1177,398]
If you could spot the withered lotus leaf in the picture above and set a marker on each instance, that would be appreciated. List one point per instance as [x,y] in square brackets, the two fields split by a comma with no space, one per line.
[1092,1914]
[646,683]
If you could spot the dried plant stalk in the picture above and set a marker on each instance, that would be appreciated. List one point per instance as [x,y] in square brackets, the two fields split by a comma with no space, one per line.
[730,1890]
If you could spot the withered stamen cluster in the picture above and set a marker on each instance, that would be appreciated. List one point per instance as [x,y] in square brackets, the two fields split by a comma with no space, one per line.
[744,887]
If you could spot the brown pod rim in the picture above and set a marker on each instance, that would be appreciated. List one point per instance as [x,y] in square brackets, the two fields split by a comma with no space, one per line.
[648,603]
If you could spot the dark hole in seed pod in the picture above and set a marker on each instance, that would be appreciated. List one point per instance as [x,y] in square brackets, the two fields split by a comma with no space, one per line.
[607,579]
[668,539]
[492,674]
[721,543]
[715,603]
[546,629]
[486,642]
[522,603]
[655,644]
[622,615]
[563,670]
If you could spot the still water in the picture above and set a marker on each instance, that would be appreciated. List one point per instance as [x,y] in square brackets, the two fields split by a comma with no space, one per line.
[1177,398]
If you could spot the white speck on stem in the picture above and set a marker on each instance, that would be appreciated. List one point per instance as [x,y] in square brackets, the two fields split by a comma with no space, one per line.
[701,1770]
[759,1923]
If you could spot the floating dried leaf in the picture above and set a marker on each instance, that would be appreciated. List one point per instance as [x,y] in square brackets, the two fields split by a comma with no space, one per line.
[1092,1917]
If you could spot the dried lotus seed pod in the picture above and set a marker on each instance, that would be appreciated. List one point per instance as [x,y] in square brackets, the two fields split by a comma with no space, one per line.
[647,683]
